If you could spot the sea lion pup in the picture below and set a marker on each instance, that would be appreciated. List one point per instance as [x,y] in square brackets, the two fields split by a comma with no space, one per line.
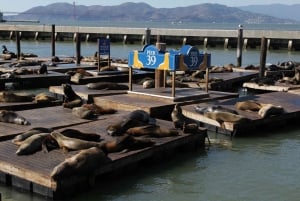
[82,112]
[177,117]
[43,98]
[213,108]
[21,137]
[134,118]
[8,96]
[73,133]
[31,144]
[83,163]
[68,143]
[107,86]
[248,106]
[9,116]
[152,131]
[99,110]
[270,110]
[222,117]
[125,143]
[71,99]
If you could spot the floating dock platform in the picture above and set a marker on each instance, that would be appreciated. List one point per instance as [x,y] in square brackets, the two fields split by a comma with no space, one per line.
[288,101]
[33,172]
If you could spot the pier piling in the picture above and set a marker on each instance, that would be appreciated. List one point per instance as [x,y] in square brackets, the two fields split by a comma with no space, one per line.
[263,56]
[53,40]
[239,46]
[18,44]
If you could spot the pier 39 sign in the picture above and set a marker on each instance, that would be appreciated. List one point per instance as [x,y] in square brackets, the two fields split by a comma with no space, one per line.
[187,58]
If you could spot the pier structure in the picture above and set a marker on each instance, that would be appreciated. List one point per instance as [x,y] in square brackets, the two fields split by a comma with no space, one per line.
[276,39]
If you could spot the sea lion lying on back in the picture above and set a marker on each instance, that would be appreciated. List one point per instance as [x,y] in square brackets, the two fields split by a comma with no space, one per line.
[213,108]
[134,118]
[71,99]
[8,96]
[107,86]
[222,117]
[12,117]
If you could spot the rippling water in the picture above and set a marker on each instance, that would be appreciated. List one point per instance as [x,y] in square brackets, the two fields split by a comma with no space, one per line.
[262,167]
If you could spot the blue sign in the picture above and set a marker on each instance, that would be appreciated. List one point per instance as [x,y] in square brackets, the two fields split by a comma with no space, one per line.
[187,58]
[104,46]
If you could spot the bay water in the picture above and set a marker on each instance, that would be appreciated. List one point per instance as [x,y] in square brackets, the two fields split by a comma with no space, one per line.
[264,166]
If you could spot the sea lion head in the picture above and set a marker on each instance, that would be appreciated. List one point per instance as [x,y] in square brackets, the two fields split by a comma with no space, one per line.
[148,84]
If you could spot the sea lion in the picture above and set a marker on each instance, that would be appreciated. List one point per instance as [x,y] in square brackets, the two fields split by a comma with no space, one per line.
[248,105]
[8,96]
[12,117]
[68,143]
[213,108]
[134,118]
[83,163]
[71,99]
[23,136]
[126,143]
[43,98]
[99,110]
[222,117]
[31,144]
[270,110]
[107,86]
[177,117]
[152,131]
[73,133]
[82,112]
[147,84]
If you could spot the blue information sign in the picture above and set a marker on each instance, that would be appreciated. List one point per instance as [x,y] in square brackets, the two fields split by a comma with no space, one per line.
[104,46]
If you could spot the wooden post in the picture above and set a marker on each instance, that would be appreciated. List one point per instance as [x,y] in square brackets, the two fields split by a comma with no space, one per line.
[263,57]
[130,78]
[147,36]
[53,40]
[18,45]
[239,46]
[173,83]
[78,48]
[159,74]
[206,79]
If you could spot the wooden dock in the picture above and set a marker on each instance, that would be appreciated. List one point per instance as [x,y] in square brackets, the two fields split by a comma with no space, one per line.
[288,101]
[271,88]
[36,81]
[32,172]
[85,93]
[158,101]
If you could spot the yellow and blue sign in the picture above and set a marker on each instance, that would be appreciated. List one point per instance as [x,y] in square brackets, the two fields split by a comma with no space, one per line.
[187,58]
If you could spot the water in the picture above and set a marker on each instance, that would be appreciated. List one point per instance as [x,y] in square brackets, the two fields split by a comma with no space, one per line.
[262,167]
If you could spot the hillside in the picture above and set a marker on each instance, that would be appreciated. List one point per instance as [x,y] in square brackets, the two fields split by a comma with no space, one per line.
[276,10]
[208,13]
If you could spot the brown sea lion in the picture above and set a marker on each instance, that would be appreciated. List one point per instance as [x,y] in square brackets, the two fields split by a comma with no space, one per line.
[31,144]
[270,110]
[82,112]
[68,143]
[73,133]
[12,117]
[177,117]
[126,143]
[222,117]
[43,98]
[8,96]
[152,131]
[71,99]
[99,110]
[83,163]
[134,118]
[248,105]
[107,86]
[21,137]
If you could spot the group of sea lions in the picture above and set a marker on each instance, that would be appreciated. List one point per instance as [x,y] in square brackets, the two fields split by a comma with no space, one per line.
[222,114]
[13,97]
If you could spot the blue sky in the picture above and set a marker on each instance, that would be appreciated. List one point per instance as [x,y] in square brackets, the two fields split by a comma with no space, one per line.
[23,5]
